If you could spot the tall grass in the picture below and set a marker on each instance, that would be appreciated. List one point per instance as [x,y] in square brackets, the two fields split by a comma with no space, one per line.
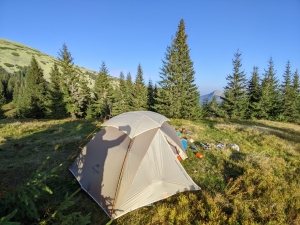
[257,185]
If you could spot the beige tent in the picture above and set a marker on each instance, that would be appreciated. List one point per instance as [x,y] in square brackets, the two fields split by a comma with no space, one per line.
[132,162]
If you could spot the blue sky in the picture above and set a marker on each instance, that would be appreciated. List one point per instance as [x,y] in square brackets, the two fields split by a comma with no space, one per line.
[128,32]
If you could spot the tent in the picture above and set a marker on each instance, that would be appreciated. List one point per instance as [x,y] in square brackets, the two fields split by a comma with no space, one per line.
[132,162]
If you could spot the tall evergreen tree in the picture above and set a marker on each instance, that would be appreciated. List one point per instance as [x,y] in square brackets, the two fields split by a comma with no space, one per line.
[128,91]
[33,100]
[235,98]
[295,108]
[270,95]
[139,94]
[2,100]
[287,93]
[103,91]
[71,83]
[120,98]
[150,96]
[178,96]
[254,93]
[56,107]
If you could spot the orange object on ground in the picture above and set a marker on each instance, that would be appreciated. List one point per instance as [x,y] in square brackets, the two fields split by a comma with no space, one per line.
[199,155]
[179,158]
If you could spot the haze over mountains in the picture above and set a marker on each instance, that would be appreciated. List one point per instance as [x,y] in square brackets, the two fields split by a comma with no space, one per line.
[209,97]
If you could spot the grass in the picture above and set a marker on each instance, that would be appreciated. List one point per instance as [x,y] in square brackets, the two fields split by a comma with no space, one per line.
[257,185]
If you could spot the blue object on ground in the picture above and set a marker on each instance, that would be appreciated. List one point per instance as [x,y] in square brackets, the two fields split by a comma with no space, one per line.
[193,147]
[184,143]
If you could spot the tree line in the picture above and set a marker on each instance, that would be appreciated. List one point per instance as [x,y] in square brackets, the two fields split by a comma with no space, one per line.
[175,95]
[260,97]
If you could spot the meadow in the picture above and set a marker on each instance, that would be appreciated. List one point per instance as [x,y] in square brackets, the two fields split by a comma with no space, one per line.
[257,185]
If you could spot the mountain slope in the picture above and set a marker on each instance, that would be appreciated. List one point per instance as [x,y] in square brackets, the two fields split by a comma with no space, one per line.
[14,55]
[209,97]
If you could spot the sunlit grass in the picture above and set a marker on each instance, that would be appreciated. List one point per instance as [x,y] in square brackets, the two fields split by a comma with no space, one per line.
[257,185]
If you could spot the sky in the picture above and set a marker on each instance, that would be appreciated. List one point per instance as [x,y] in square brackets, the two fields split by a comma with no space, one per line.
[126,33]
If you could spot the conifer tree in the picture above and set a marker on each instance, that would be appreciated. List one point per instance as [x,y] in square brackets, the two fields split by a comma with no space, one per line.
[56,107]
[14,83]
[235,98]
[254,93]
[178,96]
[270,96]
[295,108]
[71,83]
[128,92]
[151,95]
[119,99]
[2,100]
[287,94]
[32,102]
[85,97]
[139,94]
[103,92]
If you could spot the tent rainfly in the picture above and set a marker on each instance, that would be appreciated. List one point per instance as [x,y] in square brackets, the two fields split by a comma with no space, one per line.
[132,163]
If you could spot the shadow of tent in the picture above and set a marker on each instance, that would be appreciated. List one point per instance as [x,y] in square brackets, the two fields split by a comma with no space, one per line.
[92,170]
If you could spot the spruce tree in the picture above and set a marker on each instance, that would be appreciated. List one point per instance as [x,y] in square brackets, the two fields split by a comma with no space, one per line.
[295,108]
[254,93]
[71,83]
[287,94]
[150,96]
[235,98]
[103,92]
[270,96]
[85,97]
[178,96]
[32,102]
[139,94]
[56,107]
[2,100]
[128,92]
[119,97]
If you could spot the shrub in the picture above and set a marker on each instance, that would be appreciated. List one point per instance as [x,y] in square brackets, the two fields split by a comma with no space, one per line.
[15,54]
[8,65]
[7,48]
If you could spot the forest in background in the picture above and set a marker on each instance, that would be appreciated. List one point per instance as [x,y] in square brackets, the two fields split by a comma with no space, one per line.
[68,93]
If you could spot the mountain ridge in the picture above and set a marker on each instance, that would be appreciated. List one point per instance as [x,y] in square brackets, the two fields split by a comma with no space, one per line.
[209,97]
[14,55]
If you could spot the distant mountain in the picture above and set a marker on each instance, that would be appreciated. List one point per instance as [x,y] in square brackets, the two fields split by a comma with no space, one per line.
[15,55]
[209,97]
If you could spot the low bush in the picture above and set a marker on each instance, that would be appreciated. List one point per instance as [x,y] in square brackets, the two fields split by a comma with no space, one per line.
[15,54]
[8,65]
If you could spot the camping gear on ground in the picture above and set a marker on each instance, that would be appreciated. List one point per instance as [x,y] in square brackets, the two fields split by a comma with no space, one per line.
[235,147]
[190,140]
[205,146]
[184,143]
[193,147]
[132,163]
[221,145]
[199,155]
[179,134]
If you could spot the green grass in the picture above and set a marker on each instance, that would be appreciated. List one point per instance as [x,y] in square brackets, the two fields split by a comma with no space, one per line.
[258,185]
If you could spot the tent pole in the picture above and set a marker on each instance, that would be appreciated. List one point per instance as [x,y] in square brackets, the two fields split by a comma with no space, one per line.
[120,178]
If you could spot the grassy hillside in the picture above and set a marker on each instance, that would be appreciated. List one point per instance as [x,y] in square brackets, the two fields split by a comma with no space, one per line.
[257,185]
[15,55]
